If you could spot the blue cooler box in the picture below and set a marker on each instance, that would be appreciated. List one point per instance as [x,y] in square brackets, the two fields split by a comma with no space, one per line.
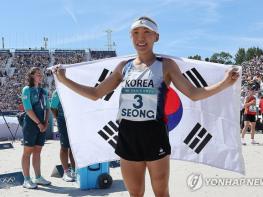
[94,176]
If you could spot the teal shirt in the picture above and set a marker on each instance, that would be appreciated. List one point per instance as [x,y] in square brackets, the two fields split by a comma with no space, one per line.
[35,99]
[30,96]
[56,104]
[54,100]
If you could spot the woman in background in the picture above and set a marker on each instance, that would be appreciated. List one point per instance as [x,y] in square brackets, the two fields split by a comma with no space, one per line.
[36,104]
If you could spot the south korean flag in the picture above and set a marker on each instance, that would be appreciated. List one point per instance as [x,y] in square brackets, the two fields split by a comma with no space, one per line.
[205,131]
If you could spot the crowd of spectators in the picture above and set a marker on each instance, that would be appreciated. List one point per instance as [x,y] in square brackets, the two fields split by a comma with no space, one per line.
[23,60]
[3,75]
[69,56]
[101,54]
[252,74]
[4,55]
[252,71]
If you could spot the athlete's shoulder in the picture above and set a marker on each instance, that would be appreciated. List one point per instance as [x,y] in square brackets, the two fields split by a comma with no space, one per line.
[169,65]
[125,62]
[168,61]
[25,89]
[159,58]
[250,98]
[25,93]
[122,65]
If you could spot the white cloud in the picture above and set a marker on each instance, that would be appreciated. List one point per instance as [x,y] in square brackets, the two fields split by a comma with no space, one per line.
[98,31]
[117,24]
[70,12]
[208,10]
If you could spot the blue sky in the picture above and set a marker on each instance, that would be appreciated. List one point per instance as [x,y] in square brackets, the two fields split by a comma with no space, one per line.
[187,27]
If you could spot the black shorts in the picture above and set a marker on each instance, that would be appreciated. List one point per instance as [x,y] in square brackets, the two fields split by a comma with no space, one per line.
[63,134]
[31,133]
[143,140]
[249,117]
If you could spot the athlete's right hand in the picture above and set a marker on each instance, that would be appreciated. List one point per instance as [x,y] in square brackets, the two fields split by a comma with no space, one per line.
[59,72]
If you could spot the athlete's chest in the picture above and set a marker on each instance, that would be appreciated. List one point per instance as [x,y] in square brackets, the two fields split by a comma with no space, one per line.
[143,78]
[34,95]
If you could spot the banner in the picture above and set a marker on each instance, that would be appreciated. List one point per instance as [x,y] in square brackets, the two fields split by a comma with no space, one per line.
[205,131]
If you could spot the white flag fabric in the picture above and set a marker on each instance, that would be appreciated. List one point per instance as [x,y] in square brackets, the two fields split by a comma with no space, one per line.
[205,131]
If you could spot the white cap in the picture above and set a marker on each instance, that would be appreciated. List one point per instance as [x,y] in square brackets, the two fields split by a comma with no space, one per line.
[145,23]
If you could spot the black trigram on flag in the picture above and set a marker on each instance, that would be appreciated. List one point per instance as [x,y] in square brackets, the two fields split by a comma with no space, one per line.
[110,133]
[198,138]
[195,78]
[103,76]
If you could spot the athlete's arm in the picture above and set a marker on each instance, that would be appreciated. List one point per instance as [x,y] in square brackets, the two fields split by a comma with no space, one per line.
[54,104]
[26,100]
[253,102]
[94,93]
[173,74]
[54,112]
[33,116]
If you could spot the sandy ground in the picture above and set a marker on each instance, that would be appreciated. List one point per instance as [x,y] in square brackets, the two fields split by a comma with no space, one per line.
[180,171]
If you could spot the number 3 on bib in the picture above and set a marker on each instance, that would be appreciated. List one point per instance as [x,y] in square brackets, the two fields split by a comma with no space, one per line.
[139,103]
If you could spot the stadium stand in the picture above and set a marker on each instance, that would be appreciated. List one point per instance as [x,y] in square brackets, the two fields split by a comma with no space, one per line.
[101,54]
[15,65]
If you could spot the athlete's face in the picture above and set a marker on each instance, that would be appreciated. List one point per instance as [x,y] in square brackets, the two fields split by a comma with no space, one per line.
[38,76]
[251,92]
[143,39]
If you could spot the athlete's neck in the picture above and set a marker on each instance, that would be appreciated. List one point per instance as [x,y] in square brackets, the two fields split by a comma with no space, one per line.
[147,59]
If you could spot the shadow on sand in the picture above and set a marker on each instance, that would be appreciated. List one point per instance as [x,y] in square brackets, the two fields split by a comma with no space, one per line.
[117,186]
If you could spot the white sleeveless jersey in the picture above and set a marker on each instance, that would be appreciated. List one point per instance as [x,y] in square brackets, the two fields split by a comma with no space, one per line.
[143,92]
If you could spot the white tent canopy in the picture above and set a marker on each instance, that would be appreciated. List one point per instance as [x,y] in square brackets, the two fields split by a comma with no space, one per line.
[12,122]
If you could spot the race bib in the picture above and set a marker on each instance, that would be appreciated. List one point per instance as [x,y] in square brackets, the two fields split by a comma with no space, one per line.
[138,104]
[252,108]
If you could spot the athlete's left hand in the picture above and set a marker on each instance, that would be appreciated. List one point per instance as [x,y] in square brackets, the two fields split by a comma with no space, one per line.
[231,76]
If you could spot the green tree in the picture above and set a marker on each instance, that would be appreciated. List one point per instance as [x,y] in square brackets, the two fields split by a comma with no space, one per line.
[222,58]
[207,59]
[240,56]
[253,52]
[196,57]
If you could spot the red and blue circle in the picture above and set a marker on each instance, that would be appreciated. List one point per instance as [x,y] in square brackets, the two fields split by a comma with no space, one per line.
[173,109]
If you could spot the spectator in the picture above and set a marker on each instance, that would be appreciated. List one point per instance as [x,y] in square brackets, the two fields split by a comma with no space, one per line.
[250,115]
[65,151]
[36,104]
